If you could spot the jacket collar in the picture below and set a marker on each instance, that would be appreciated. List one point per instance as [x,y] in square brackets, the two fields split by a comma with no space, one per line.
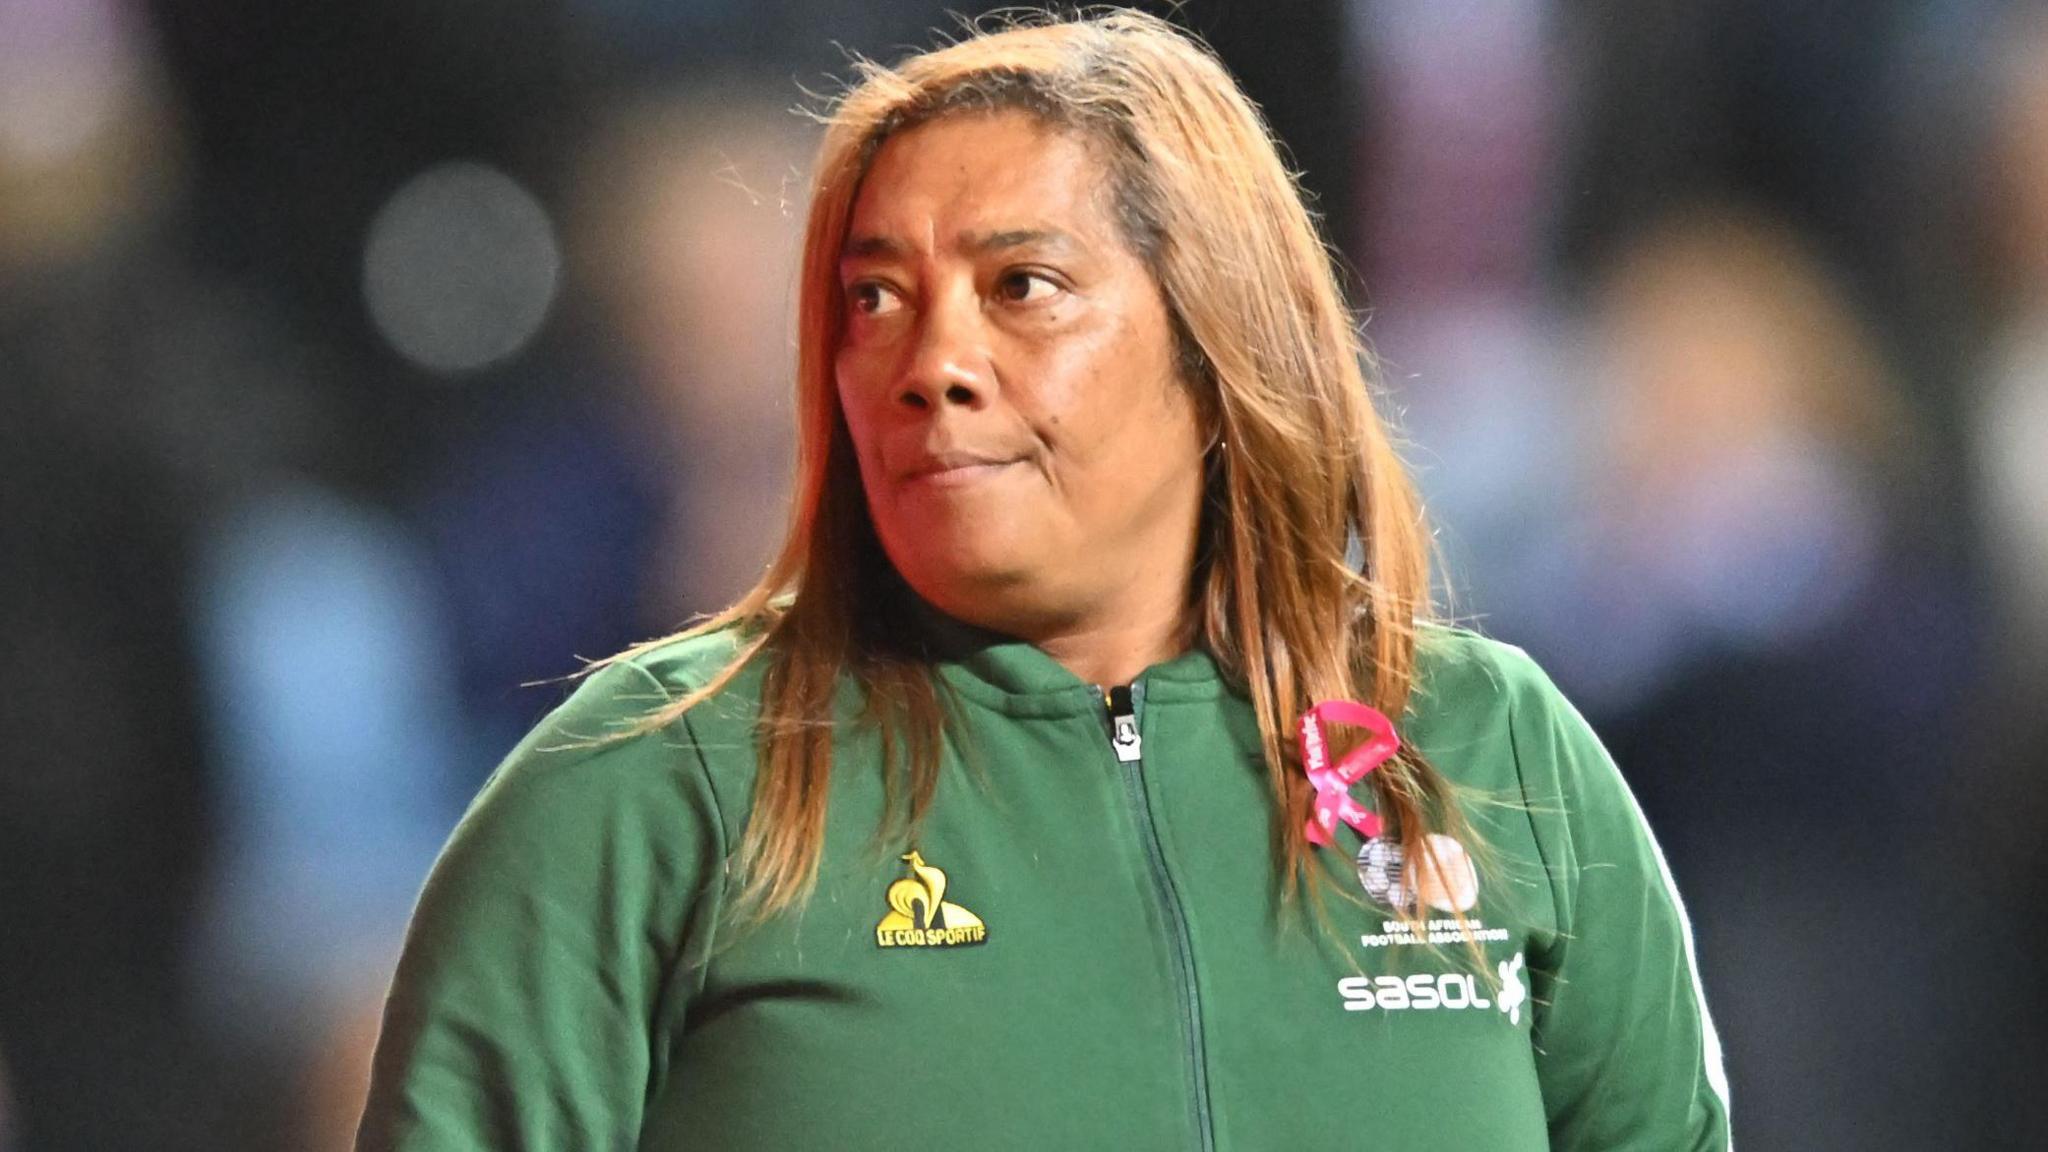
[1018,677]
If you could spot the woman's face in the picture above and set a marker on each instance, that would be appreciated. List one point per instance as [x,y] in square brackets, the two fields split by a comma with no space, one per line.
[1031,460]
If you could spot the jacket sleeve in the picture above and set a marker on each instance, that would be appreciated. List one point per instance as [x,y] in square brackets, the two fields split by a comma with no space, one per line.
[559,924]
[1625,1051]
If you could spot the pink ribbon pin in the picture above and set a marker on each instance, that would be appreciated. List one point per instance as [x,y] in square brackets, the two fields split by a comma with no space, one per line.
[1333,784]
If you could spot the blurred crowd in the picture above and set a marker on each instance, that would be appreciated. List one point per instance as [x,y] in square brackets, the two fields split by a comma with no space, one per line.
[365,368]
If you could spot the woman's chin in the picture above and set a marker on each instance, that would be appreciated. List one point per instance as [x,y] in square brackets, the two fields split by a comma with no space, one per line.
[963,577]
[974,585]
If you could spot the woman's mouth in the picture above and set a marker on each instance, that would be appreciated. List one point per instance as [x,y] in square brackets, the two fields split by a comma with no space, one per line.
[955,469]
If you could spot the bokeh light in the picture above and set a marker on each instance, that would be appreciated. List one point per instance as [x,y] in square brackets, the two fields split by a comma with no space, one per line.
[460,267]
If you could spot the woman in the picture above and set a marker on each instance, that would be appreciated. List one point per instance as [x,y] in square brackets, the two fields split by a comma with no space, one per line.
[980,821]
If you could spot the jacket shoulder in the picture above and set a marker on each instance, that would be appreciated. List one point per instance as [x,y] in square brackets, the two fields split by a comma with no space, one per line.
[1472,696]
[722,727]
[687,663]
[594,745]
[1457,667]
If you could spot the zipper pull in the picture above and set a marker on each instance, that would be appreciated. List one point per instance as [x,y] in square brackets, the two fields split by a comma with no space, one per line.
[1123,724]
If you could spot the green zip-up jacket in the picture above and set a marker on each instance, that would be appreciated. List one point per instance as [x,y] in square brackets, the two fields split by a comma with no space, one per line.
[1083,946]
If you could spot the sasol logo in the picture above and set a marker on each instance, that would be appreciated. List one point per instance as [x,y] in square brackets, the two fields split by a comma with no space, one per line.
[1425,991]
[1421,991]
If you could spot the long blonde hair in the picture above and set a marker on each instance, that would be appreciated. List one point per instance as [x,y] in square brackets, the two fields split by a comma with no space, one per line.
[1302,481]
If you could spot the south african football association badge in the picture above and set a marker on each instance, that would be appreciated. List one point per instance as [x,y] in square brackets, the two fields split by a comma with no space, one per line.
[920,915]
[1446,878]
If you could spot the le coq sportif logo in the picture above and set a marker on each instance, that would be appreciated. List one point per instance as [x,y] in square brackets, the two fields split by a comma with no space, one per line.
[920,916]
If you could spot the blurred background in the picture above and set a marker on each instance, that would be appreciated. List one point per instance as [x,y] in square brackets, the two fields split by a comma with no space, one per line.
[365,366]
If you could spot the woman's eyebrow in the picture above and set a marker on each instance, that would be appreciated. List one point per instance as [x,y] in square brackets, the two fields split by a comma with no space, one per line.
[862,247]
[981,243]
[973,243]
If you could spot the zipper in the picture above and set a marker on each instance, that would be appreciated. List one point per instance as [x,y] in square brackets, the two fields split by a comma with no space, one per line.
[1125,740]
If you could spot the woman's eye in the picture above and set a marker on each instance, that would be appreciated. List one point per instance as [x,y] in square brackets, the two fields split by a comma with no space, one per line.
[1025,287]
[872,298]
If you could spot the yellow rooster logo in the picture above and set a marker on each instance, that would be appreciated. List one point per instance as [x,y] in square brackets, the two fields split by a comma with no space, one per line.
[919,915]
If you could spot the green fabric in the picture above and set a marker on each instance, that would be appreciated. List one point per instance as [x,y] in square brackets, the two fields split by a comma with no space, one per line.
[575,977]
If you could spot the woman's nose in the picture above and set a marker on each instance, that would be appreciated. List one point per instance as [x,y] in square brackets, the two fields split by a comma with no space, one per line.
[948,365]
